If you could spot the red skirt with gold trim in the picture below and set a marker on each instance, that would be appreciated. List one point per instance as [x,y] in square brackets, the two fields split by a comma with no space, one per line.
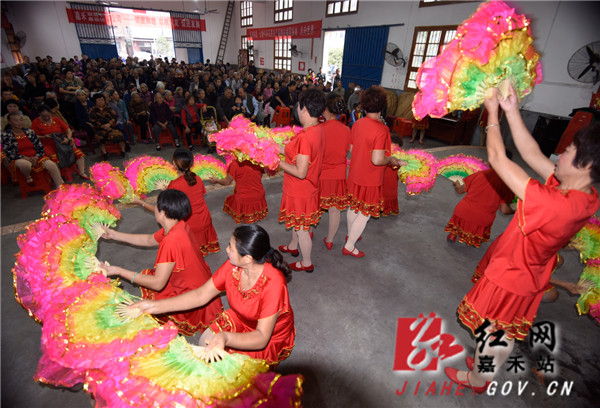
[207,240]
[188,323]
[468,232]
[300,213]
[278,349]
[333,193]
[247,210]
[365,199]
[505,310]
[50,150]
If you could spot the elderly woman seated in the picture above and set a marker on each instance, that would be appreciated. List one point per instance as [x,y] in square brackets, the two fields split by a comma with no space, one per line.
[52,130]
[104,123]
[161,118]
[25,151]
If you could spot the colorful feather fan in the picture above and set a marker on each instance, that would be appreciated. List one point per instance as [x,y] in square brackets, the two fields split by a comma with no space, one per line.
[207,167]
[246,141]
[149,173]
[420,171]
[491,46]
[459,166]
[111,182]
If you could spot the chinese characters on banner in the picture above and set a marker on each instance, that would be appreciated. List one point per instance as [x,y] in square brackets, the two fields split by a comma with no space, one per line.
[310,29]
[125,19]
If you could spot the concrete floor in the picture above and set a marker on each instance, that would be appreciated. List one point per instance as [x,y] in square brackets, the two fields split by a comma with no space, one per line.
[346,311]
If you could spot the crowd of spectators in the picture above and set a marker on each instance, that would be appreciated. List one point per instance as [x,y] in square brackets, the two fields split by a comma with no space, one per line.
[167,95]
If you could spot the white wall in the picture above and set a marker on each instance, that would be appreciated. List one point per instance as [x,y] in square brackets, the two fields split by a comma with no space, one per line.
[47,27]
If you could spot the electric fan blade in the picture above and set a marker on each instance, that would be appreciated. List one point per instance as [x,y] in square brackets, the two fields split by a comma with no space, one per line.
[585,71]
[590,52]
[395,52]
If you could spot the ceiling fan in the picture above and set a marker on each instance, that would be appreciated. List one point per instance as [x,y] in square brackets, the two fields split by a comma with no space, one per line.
[206,10]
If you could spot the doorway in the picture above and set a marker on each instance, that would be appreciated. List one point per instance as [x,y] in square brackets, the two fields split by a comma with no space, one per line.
[333,53]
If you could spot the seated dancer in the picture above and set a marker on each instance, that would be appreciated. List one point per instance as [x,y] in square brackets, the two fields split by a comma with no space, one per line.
[199,221]
[473,216]
[502,305]
[248,203]
[260,321]
[179,265]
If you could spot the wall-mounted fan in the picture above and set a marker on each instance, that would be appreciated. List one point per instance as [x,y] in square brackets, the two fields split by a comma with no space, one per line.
[21,39]
[584,64]
[294,50]
[394,56]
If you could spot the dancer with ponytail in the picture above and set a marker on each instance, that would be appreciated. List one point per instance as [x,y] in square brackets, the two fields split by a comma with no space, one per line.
[200,220]
[260,321]
[332,180]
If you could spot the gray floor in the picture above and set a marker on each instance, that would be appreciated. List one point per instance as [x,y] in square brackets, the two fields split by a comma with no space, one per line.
[346,311]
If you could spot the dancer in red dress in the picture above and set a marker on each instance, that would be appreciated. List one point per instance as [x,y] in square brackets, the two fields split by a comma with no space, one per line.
[260,320]
[200,221]
[332,181]
[371,149]
[248,203]
[303,159]
[474,215]
[504,301]
[179,266]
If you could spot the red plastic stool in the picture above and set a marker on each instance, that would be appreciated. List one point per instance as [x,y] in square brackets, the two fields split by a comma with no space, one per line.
[67,172]
[41,181]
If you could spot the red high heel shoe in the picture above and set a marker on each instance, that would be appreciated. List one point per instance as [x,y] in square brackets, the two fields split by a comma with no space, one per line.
[451,373]
[292,252]
[329,245]
[297,266]
[359,254]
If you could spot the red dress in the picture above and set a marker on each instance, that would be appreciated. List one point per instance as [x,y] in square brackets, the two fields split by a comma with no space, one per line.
[300,198]
[57,126]
[510,291]
[190,272]
[200,221]
[332,181]
[390,192]
[365,180]
[475,213]
[247,204]
[268,296]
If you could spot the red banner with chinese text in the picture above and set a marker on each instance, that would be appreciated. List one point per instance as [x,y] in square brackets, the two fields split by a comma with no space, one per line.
[125,19]
[310,29]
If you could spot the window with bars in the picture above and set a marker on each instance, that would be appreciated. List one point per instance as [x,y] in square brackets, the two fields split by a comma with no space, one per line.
[338,8]
[248,44]
[427,43]
[246,13]
[283,10]
[283,55]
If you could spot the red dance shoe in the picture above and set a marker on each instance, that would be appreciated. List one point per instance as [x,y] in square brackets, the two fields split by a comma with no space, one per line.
[329,245]
[358,254]
[452,375]
[292,252]
[359,238]
[451,238]
[297,266]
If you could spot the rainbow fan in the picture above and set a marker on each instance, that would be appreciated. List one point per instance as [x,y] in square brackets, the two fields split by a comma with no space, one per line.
[491,46]
[207,167]
[149,173]
[246,141]
[459,166]
[111,182]
[587,240]
[420,171]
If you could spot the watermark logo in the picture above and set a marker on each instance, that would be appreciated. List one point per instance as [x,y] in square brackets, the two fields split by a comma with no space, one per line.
[420,344]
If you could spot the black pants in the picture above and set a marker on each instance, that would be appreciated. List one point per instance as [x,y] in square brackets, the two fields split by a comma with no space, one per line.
[142,122]
[196,129]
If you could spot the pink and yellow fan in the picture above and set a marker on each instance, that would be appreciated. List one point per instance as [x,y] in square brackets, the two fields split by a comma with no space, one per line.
[587,242]
[420,171]
[111,182]
[459,166]
[207,167]
[149,173]
[492,48]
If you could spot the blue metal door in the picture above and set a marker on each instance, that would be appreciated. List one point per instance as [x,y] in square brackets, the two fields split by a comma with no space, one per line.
[364,52]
